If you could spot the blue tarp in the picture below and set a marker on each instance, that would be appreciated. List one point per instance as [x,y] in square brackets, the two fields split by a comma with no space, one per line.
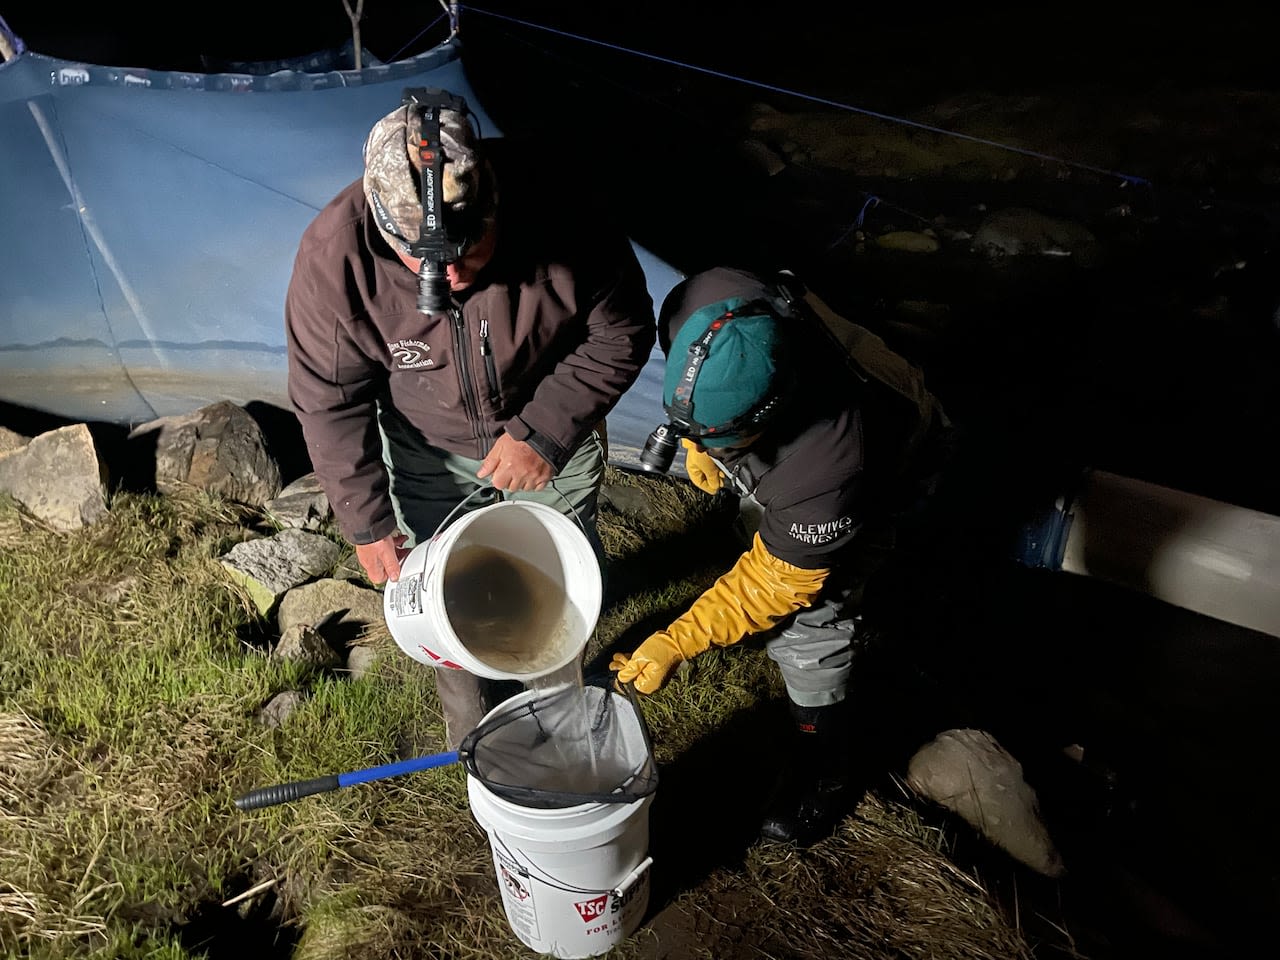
[149,221]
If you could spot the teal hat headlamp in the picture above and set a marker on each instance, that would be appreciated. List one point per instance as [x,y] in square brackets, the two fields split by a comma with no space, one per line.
[721,378]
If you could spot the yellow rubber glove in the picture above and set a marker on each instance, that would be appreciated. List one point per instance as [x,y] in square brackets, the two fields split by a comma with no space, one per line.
[701,468]
[758,592]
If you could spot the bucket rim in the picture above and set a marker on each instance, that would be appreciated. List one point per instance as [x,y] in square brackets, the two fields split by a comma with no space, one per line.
[594,589]
[561,824]
[424,567]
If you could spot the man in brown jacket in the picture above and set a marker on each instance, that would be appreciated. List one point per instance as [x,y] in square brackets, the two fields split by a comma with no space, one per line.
[410,403]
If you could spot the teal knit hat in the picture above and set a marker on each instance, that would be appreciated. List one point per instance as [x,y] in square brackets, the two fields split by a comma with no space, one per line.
[731,368]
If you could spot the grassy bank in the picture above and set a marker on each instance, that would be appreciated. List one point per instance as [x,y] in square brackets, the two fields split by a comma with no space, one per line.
[132,678]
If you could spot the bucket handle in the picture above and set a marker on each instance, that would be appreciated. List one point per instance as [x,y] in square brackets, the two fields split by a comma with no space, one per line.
[528,870]
[573,511]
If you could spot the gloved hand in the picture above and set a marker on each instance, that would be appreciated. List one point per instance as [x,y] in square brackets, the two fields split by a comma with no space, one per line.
[758,592]
[701,468]
[651,663]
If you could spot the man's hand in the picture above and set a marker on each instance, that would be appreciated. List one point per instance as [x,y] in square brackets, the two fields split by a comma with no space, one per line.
[381,559]
[514,465]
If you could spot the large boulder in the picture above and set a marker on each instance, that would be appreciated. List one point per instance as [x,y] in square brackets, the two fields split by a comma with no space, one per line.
[58,477]
[340,610]
[969,773]
[219,448]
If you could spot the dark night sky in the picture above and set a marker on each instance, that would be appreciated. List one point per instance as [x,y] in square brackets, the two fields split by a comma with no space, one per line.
[892,58]
[963,45]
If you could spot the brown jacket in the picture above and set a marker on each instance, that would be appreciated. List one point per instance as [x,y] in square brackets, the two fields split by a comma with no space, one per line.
[556,328]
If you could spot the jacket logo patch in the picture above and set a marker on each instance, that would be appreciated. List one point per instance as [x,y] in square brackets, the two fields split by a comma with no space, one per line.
[410,354]
[820,532]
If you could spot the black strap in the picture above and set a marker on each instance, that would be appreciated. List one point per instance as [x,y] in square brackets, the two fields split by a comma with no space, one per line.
[681,407]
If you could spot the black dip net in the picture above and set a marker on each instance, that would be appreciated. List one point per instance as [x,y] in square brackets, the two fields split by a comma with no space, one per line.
[565,746]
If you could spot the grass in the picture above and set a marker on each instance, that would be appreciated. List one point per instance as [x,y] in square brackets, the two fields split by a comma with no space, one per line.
[132,676]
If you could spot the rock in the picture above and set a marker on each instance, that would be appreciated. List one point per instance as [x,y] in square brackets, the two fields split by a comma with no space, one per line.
[763,156]
[360,660]
[218,448]
[341,610]
[269,567]
[278,710]
[628,501]
[765,117]
[908,241]
[57,477]
[970,774]
[301,505]
[1017,231]
[305,645]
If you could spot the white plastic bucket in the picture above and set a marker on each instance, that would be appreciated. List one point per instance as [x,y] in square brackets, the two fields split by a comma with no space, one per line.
[511,591]
[574,880]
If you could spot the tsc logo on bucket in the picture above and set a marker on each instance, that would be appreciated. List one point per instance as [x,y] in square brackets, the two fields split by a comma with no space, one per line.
[591,909]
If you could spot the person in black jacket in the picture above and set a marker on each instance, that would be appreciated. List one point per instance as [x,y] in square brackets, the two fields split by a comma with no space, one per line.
[827,435]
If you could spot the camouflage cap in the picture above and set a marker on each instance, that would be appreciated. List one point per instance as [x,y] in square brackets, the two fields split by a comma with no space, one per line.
[391,168]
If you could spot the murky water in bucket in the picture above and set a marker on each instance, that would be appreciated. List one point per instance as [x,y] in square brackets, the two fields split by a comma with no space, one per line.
[506,611]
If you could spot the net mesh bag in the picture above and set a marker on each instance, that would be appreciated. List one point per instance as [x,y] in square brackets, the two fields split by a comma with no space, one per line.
[565,746]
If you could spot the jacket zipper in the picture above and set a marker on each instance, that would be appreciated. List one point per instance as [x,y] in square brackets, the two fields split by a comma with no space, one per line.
[490,369]
[464,377]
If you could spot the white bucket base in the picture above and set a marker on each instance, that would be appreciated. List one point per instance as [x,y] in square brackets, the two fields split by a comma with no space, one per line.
[564,895]
[574,880]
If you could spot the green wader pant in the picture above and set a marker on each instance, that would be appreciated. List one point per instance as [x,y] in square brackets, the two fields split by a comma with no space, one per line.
[427,483]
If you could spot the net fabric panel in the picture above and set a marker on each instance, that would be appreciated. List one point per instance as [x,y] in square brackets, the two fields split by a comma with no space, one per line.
[565,747]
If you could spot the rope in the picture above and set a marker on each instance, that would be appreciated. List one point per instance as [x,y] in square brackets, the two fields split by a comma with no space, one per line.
[396,56]
[1127,178]
[872,201]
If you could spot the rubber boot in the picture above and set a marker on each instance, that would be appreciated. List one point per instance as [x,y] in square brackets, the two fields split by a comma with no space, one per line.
[818,791]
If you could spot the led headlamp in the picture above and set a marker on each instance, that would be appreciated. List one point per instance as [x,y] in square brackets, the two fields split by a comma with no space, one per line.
[444,234]
[660,447]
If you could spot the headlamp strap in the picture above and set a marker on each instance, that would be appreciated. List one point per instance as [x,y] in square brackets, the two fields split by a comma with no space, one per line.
[681,408]
[385,222]
[682,396]
[427,102]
